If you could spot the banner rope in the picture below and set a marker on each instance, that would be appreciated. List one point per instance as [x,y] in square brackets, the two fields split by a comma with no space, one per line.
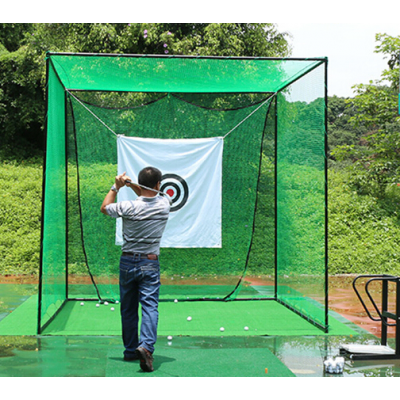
[223,137]
[93,113]
[241,122]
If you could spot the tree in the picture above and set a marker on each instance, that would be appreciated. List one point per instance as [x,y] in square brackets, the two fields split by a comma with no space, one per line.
[341,131]
[23,48]
[11,35]
[375,107]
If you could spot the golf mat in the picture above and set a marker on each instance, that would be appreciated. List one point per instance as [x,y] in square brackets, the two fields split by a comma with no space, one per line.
[102,356]
[177,362]
[208,318]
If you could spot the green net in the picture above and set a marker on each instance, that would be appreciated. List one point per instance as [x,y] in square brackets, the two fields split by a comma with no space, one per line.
[178,74]
[53,249]
[92,168]
[273,174]
[301,192]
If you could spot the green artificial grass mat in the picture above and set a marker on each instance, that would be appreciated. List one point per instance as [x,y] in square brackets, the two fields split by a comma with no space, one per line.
[223,362]
[22,320]
[184,356]
[178,291]
[207,318]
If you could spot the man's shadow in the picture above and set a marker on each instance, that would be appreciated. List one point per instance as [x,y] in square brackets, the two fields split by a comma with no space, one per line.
[158,361]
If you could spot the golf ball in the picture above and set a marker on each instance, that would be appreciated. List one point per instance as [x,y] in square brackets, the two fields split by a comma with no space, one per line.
[112,308]
[221,329]
[82,304]
[169,337]
[246,328]
[175,301]
[97,305]
[106,303]
[189,318]
[117,302]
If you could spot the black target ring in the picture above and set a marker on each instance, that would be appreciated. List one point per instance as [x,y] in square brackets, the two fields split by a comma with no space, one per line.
[176,204]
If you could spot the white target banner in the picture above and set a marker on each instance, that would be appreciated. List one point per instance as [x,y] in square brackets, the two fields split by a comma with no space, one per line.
[192,177]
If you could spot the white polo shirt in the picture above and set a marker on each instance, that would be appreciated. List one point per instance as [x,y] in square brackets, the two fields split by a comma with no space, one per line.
[144,221]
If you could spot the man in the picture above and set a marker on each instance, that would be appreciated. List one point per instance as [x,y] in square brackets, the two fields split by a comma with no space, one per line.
[144,221]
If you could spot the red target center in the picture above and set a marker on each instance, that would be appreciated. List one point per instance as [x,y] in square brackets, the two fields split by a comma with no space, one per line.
[176,188]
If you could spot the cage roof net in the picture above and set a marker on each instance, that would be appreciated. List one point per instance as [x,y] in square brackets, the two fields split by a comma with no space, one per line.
[177,74]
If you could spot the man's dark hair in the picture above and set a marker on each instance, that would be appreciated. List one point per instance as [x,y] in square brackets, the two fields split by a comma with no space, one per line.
[149,177]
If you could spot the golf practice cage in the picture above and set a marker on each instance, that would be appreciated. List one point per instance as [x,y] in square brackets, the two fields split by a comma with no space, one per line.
[271,114]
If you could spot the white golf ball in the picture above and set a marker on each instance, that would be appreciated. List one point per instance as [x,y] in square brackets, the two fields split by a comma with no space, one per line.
[176,300]
[82,304]
[221,329]
[189,318]
[246,328]
[117,302]
[169,337]
[106,303]
[97,305]
[112,308]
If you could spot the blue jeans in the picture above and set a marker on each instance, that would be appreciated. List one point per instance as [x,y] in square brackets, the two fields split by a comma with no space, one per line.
[139,282]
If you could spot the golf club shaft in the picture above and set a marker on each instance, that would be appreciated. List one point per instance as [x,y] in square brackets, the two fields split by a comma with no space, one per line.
[147,188]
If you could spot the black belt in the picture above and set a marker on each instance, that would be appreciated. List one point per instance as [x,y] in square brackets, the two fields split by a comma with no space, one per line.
[138,255]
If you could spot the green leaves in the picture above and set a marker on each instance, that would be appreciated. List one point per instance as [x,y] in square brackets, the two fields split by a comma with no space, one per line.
[23,50]
[376,104]
[364,233]
[375,159]
[20,214]
[389,46]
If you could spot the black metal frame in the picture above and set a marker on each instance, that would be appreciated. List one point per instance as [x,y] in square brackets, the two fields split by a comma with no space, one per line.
[323,60]
[325,327]
[40,286]
[50,53]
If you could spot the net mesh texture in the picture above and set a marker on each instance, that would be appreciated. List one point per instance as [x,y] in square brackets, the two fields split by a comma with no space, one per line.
[273,185]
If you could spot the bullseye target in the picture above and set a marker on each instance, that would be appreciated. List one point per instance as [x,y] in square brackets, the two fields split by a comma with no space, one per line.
[176,188]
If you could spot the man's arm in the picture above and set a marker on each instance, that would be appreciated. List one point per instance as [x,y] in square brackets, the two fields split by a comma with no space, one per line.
[120,181]
[137,189]
[109,199]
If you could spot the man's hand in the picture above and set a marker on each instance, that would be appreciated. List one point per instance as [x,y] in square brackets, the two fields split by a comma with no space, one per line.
[124,180]
[120,180]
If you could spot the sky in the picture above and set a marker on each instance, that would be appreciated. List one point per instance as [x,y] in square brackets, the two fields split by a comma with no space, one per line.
[348,46]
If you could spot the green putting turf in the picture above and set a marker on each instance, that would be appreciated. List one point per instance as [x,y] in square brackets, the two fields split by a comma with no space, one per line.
[207,317]
[177,362]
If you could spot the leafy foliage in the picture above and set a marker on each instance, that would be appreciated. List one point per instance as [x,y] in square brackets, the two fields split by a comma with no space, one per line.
[364,190]
[341,131]
[364,232]
[23,49]
[376,164]
[20,214]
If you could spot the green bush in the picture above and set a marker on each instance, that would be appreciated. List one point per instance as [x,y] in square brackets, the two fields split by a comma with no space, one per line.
[364,232]
[20,214]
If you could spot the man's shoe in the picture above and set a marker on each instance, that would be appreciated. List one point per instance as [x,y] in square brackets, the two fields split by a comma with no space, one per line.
[146,359]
